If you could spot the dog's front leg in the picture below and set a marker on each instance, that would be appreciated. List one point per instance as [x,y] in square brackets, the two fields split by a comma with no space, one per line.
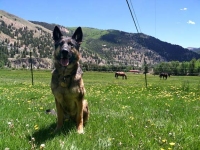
[60,115]
[79,117]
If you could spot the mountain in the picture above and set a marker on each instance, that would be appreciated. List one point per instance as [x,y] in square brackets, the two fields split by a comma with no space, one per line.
[18,37]
[196,50]
[101,47]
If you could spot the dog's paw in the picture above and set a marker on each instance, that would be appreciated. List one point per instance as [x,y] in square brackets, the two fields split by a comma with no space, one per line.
[57,129]
[80,131]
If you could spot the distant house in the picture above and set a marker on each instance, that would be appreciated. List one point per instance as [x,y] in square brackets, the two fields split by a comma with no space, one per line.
[134,71]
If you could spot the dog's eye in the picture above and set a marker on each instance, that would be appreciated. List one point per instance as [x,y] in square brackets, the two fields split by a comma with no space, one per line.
[71,44]
[61,43]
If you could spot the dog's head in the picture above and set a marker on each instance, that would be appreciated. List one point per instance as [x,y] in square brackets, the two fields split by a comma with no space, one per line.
[67,48]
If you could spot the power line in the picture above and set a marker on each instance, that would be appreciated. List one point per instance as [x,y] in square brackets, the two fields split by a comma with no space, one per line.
[146,68]
[132,16]
[135,16]
[155,18]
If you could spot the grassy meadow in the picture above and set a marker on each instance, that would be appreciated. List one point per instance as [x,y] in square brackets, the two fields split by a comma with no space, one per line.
[124,114]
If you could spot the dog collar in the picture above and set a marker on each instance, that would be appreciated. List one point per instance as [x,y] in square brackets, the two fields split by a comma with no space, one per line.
[65,77]
[78,72]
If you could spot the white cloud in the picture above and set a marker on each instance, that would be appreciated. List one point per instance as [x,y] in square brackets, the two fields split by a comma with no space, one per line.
[183,9]
[191,22]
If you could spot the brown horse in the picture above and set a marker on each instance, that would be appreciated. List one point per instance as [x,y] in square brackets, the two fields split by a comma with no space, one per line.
[164,75]
[120,74]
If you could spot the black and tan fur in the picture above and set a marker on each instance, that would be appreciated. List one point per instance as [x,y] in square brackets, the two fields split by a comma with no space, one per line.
[67,84]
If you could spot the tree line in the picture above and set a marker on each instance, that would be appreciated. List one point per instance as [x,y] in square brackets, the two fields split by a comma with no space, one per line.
[191,68]
[179,68]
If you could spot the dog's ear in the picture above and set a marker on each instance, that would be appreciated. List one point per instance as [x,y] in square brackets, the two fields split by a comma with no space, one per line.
[56,33]
[78,35]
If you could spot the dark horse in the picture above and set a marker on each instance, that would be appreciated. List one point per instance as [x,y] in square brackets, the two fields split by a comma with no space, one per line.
[164,75]
[120,74]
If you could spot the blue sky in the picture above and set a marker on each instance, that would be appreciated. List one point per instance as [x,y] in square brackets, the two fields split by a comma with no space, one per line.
[173,21]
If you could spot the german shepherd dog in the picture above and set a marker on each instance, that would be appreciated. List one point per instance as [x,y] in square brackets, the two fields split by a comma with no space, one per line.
[67,84]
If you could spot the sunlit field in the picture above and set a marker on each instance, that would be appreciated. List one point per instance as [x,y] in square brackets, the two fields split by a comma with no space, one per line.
[124,114]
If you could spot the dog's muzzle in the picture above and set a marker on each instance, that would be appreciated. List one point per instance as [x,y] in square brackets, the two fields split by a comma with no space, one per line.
[65,57]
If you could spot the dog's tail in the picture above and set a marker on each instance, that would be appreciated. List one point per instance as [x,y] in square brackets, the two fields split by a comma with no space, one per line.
[51,112]
[54,113]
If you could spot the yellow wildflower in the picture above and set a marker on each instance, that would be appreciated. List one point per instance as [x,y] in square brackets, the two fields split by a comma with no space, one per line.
[164,140]
[172,143]
[36,127]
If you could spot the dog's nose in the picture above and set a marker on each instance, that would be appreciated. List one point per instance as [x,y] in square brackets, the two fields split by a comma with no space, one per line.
[65,52]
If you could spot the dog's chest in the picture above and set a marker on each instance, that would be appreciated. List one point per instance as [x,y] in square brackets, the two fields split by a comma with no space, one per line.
[68,96]
[69,87]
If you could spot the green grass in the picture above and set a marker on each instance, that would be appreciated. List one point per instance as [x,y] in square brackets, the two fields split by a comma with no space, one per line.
[123,113]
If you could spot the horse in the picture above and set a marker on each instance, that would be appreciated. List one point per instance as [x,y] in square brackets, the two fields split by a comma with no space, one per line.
[120,74]
[164,75]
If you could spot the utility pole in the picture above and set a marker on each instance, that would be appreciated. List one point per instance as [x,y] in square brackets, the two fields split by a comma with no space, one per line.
[31,65]
[145,71]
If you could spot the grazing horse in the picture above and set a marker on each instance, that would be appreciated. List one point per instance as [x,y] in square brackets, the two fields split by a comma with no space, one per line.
[120,74]
[164,75]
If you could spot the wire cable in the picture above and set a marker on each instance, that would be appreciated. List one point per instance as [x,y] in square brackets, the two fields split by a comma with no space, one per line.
[155,18]
[132,16]
[146,68]
[135,16]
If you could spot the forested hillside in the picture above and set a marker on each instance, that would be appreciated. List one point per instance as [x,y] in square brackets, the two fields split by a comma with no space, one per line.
[19,37]
[114,38]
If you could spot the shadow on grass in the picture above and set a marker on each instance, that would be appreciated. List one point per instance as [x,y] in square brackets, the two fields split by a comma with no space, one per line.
[47,133]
